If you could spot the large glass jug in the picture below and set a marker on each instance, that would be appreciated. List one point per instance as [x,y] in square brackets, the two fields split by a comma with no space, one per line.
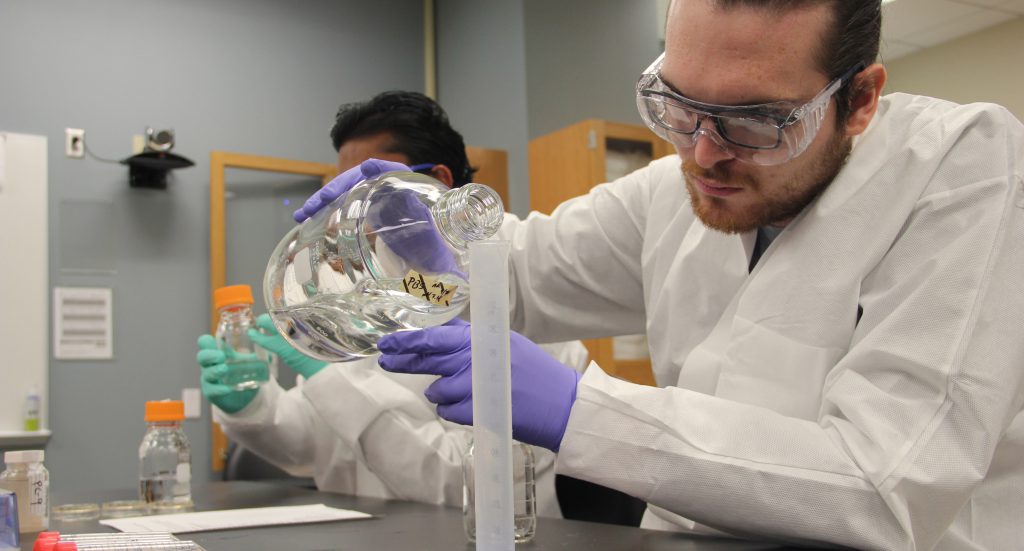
[391,254]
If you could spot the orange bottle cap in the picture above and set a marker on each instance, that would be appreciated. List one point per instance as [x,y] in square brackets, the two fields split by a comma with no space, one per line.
[165,410]
[232,294]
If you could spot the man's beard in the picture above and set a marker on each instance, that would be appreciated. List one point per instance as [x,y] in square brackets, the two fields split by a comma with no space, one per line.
[780,206]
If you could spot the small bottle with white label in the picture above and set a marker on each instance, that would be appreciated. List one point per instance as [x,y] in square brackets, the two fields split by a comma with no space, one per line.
[165,459]
[30,481]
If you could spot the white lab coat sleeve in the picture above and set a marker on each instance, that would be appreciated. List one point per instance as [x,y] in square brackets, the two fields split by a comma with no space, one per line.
[576,273]
[911,415]
[392,429]
[278,425]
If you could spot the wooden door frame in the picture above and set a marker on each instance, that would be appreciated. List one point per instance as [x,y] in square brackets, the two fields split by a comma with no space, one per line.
[220,161]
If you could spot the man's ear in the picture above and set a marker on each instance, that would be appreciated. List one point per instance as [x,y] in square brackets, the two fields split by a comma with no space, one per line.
[444,174]
[867,86]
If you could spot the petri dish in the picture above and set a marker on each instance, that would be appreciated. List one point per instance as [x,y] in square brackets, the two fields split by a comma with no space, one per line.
[124,508]
[169,507]
[73,512]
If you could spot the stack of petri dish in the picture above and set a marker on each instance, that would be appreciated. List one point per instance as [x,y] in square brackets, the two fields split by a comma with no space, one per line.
[124,509]
[75,512]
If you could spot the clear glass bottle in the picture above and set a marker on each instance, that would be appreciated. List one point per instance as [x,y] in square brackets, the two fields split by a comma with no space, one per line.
[165,458]
[249,365]
[30,481]
[390,254]
[524,493]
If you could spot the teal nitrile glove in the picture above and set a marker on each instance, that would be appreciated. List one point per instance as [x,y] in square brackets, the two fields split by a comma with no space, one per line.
[270,339]
[212,362]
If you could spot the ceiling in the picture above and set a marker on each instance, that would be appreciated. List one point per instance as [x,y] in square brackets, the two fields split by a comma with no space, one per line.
[912,25]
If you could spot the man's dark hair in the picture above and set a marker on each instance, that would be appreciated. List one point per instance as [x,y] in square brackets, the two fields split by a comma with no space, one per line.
[417,125]
[853,38]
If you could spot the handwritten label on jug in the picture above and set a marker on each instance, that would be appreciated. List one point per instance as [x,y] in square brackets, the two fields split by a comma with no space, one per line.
[428,288]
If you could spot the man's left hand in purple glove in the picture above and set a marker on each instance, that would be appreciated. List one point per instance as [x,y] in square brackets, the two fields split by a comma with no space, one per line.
[405,224]
[342,183]
[405,221]
[543,389]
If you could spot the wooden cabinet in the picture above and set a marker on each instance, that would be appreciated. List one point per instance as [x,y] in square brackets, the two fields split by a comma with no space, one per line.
[491,169]
[567,163]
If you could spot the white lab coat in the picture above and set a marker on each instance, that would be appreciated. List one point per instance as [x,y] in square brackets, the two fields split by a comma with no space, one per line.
[779,414]
[357,429]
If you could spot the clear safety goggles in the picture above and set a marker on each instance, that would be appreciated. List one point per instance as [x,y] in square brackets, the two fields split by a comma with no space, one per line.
[765,134]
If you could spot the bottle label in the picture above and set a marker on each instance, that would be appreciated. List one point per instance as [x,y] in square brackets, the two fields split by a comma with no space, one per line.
[183,473]
[428,288]
[37,488]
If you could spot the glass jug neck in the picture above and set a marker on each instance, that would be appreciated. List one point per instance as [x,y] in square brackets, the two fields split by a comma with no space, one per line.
[470,213]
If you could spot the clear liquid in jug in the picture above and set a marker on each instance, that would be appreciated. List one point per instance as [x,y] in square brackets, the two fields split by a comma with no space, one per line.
[390,255]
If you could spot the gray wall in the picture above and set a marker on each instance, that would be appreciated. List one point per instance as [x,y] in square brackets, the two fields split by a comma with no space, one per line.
[482,81]
[517,69]
[583,58]
[255,76]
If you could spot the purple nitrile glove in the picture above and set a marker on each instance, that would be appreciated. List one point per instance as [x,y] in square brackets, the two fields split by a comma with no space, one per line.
[404,223]
[344,182]
[543,389]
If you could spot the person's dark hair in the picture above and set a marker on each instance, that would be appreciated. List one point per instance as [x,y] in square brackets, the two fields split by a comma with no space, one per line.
[418,127]
[853,38]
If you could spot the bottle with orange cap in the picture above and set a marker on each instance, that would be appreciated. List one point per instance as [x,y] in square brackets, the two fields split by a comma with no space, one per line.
[248,365]
[165,458]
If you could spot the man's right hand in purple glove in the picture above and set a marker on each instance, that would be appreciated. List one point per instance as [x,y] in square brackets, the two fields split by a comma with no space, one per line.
[344,182]
[543,389]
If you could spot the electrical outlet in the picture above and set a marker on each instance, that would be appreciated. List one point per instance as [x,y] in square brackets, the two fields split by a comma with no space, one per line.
[138,144]
[74,142]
